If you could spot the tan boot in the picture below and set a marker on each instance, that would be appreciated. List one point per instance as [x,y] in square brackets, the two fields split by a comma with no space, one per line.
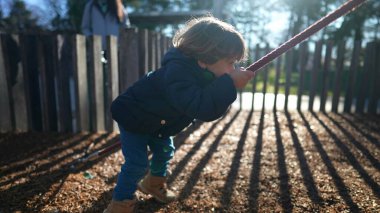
[156,186]
[125,206]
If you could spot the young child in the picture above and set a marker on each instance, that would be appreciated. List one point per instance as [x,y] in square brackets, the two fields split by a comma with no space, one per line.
[197,80]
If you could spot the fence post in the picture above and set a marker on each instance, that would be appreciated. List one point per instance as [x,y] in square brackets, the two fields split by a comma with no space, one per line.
[96,84]
[45,56]
[338,76]
[354,65]
[129,58]
[28,47]
[289,57]
[81,112]
[112,80]
[158,50]
[363,84]
[265,73]
[19,105]
[303,56]
[164,46]
[254,81]
[314,73]
[277,81]
[64,65]
[152,50]
[325,74]
[168,43]
[5,111]
[374,81]
[144,51]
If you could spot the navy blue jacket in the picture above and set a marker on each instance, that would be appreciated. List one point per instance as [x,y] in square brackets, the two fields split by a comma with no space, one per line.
[165,101]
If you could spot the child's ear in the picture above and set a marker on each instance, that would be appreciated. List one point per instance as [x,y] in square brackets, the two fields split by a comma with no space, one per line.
[202,64]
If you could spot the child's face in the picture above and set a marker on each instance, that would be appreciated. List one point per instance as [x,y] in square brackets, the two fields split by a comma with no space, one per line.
[221,66]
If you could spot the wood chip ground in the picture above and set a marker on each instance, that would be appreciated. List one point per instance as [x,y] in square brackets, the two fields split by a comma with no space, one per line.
[245,162]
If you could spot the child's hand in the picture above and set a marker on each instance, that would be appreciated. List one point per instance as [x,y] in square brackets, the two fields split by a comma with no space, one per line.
[240,76]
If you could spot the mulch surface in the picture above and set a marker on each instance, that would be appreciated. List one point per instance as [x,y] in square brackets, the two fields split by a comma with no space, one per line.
[244,162]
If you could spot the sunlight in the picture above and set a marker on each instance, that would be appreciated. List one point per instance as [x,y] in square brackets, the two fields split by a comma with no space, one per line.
[277,26]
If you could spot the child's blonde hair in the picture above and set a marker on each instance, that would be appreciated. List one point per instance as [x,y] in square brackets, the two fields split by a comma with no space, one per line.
[208,39]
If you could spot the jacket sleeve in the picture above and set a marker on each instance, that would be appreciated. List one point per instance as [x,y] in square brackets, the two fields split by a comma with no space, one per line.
[204,103]
[86,20]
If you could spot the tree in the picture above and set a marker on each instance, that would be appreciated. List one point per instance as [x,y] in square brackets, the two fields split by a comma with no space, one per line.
[354,24]
[20,19]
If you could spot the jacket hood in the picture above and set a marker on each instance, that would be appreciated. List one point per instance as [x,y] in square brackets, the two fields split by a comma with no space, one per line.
[175,54]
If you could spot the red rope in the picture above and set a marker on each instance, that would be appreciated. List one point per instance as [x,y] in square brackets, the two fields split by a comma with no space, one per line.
[321,23]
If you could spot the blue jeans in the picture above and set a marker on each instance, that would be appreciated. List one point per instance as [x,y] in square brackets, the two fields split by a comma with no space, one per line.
[135,151]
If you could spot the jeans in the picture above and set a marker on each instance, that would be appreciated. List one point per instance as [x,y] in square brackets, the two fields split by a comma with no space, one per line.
[135,150]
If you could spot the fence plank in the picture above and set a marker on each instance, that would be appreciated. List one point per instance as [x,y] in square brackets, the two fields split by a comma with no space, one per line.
[62,52]
[277,80]
[374,70]
[47,77]
[164,45]
[5,107]
[152,50]
[81,112]
[354,65]
[254,80]
[112,80]
[96,84]
[265,73]
[129,58]
[288,73]
[43,89]
[314,73]
[362,94]
[303,56]
[168,43]
[19,95]
[338,76]
[158,50]
[325,74]
[143,52]
[28,44]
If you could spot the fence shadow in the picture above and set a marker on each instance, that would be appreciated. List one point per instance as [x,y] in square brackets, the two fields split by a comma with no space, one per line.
[23,152]
[182,136]
[195,174]
[359,145]
[235,165]
[351,158]
[43,170]
[181,165]
[353,124]
[367,121]
[285,198]
[338,181]
[253,191]
[308,179]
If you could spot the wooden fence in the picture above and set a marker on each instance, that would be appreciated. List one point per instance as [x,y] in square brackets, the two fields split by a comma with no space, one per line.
[52,82]
[347,76]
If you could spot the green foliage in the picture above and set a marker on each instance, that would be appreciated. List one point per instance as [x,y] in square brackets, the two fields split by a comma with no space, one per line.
[75,11]
[354,23]
[20,19]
